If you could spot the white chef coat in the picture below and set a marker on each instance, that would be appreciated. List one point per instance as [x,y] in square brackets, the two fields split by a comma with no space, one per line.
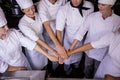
[98,27]
[111,63]
[11,51]
[70,19]
[33,29]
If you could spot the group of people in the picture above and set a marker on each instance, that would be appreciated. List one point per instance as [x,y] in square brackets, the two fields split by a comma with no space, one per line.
[61,31]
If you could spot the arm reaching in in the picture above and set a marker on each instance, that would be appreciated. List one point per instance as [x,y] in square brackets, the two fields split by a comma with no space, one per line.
[61,50]
[85,47]
[50,57]
[73,44]
[15,68]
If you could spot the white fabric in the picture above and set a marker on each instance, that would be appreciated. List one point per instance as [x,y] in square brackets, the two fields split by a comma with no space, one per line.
[33,29]
[111,40]
[48,11]
[98,27]
[110,2]
[2,18]
[24,3]
[11,51]
[111,63]
[69,18]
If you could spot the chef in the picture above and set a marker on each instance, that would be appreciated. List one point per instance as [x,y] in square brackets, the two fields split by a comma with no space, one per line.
[110,65]
[48,10]
[70,18]
[11,42]
[31,26]
[97,24]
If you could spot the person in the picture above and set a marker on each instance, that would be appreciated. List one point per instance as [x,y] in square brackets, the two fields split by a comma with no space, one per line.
[69,19]
[110,65]
[11,42]
[97,24]
[31,26]
[48,10]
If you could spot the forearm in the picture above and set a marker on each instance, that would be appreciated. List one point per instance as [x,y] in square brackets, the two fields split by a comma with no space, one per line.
[37,48]
[59,36]
[51,33]
[50,57]
[43,44]
[85,47]
[73,44]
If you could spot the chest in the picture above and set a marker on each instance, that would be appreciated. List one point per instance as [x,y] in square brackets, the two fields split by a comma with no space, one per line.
[9,48]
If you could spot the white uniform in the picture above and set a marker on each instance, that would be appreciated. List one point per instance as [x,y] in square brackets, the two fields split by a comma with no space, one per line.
[70,19]
[111,63]
[98,27]
[11,51]
[33,29]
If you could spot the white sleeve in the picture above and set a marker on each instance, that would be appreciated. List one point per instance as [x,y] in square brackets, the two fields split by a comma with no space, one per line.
[25,42]
[3,66]
[43,11]
[28,32]
[103,41]
[61,19]
[83,29]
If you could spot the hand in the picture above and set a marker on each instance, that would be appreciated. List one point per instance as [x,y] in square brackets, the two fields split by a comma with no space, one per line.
[52,58]
[56,54]
[15,68]
[62,52]
[61,60]
[69,53]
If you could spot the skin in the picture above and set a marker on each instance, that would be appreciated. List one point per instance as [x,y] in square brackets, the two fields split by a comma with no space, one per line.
[76,2]
[52,1]
[82,48]
[3,31]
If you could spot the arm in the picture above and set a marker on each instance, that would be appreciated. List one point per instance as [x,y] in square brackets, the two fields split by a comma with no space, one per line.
[32,45]
[59,36]
[50,57]
[54,39]
[15,68]
[101,43]
[85,47]
[73,44]
[42,43]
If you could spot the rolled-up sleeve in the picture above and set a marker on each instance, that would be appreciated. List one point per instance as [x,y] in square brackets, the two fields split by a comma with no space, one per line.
[82,30]
[25,42]
[60,20]
[43,11]
[28,32]
[103,41]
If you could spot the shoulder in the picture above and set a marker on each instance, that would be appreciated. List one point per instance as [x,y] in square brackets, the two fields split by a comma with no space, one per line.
[94,14]
[23,20]
[65,7]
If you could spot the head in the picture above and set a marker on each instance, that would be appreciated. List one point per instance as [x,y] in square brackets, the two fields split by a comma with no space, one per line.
[52,1]
[105,6]
[76,2]
[30,11]
[27,7]
[3,25]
